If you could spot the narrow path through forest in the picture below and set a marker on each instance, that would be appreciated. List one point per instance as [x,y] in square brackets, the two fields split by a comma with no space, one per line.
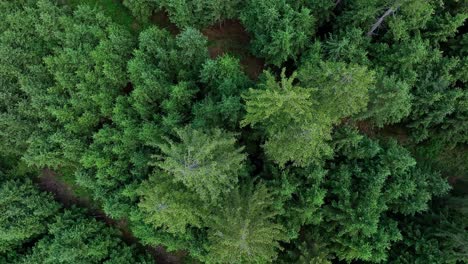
[49,181]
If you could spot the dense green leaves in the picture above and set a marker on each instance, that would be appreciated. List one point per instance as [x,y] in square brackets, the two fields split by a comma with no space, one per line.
[25,213]
[367,183]
[185,13]
[208,163]
[280,31]
[287,114]
[74,238]
[166,133]
[242,229]
[223,81]
[389,102]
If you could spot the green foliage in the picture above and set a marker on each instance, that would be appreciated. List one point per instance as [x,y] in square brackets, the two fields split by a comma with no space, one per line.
[170,205]
[74,238]
[438,236]
[389,102]
[348,45]
[141,9]
[395,19]
[367,183]
[279,31]
[206,162]
[164,138]
[342,89]
[22,70]
[186,13]
[224,81]
[66,71]
[295,132]
[111,8]
[439,106]
[243,228]
[199,14]
[25,213]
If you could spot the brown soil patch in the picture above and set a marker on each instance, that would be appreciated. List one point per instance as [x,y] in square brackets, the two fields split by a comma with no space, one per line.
[227,37]
[230,37]
[161,19]
[62,193]
[49,181]
[395,131]
[365,128]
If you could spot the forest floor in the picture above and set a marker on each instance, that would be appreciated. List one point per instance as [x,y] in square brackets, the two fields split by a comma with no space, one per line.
[226,37]
[63,193]
[230,37]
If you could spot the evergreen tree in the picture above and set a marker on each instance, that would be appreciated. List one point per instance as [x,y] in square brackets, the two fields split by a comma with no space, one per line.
[243,228]
[222,105]
[142,9]
[438,236]
[199,14]
[74,238]
[206,162]
[25,213]
[389,102]
[296,129]
[23,76]
[342,90]
[170,205]
[367,183]
[279,31]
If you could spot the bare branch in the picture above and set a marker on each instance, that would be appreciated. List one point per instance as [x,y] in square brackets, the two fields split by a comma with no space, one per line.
[389,11]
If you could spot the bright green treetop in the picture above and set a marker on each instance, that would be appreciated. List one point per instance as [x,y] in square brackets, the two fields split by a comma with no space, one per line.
[243,229]
[206,162]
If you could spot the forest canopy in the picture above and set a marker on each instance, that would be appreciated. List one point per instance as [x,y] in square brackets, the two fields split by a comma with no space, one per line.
[228,131]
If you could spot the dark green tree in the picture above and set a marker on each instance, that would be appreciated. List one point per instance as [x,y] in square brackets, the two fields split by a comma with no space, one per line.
[25,213]
[279,31]
[438,236]
[199,14]
[224,81]
[367,183]
[142,9]
[74,238]
[23,76]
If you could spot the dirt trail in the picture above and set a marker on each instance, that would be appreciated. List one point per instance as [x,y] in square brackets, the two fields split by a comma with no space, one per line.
[64,194]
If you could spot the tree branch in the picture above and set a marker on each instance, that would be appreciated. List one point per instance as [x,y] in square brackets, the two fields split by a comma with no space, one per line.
[389,11]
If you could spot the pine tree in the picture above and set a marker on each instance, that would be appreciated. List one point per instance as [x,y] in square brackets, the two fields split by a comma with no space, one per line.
[206,162]
[296,129]
[389,102]
[366,184]
[243,228]
[170,205]
[279,31]
[75,238]
[25,213]
[342,89]
[224,82]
